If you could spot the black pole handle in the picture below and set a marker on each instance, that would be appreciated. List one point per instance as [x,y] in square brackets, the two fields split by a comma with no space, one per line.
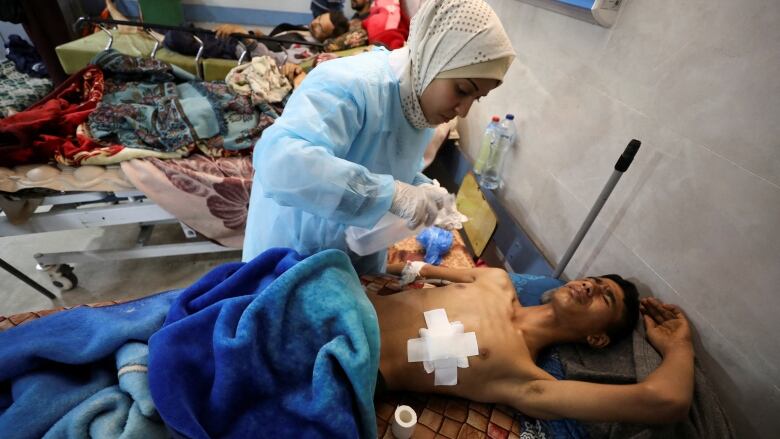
[628,155]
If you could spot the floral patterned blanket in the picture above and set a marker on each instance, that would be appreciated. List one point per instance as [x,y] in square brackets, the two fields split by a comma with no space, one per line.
[148,111]
[209,194]
[123,107]
[19,90]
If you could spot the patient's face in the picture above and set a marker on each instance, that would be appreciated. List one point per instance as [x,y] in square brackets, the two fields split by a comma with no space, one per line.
[445,98]
[321,27]
[589,305]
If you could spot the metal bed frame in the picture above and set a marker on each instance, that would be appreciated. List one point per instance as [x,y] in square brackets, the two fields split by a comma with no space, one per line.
[147,27]
[69,211]
[101,209]
[81,210]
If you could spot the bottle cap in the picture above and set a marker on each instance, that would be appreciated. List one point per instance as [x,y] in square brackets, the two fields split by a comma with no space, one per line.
[496,118]
[510,116]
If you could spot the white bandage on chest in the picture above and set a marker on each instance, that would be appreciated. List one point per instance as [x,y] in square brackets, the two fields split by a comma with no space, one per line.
[442,347]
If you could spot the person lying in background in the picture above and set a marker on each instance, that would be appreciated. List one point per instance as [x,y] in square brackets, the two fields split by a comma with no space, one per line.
[387,24]
[223,45]
[328,25]
[361,8]
[383,22]
[595,310]
[323,27]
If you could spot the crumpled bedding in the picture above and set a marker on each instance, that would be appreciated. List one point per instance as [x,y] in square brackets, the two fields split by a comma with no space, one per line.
[126,107]
[65,375]
[260,79]
[249,350]
[147,106]
[280,346]
[19,90]
[208,194]
[47,130]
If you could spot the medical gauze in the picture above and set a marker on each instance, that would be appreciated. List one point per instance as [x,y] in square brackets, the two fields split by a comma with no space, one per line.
[443,347]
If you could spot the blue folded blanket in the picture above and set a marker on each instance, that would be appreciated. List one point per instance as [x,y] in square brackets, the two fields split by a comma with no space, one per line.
[278,347]
[281,346]
[81,373]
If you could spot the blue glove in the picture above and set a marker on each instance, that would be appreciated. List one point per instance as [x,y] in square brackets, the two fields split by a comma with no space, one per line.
[437,243]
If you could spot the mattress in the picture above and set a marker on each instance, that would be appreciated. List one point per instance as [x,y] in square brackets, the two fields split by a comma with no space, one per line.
[63,178]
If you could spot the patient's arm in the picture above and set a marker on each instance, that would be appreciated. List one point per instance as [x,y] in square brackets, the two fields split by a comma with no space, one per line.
[459,275]
[665,396]
[225,30]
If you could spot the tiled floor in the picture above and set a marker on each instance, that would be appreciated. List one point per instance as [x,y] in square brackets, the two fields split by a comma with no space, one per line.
[111,280]
[446,417]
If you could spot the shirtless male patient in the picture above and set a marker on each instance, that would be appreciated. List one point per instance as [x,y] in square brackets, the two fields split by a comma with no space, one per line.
[510,336]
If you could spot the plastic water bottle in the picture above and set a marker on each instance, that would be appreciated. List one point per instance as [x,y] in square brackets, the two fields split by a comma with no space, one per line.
[507,133]
[488,139]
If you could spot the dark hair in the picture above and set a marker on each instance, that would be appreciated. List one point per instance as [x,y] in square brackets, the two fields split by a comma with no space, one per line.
[628,320]
[340,23]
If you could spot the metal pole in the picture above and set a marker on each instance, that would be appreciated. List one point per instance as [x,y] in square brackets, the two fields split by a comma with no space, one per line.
[21,276]
[620,167]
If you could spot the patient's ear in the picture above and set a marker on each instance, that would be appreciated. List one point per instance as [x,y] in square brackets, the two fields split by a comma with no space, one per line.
[598,341]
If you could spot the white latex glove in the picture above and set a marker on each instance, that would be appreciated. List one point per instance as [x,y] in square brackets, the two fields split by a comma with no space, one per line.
[418,205]
[448,217]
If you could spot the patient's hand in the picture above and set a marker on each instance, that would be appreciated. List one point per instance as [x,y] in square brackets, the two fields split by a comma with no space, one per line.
[291,70]
[224,30]
[667,327]
[294,73]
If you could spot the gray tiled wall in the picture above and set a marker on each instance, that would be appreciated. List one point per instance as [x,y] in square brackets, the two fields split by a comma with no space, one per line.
[696,220]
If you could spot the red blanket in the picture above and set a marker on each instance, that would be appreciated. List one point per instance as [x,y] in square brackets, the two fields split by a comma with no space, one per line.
[387,24]
[48,129]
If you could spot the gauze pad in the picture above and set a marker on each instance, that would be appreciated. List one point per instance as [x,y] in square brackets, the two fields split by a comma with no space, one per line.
[411,271]
[443,347]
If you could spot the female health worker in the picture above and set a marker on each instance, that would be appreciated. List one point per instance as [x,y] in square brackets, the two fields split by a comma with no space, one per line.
[348,147]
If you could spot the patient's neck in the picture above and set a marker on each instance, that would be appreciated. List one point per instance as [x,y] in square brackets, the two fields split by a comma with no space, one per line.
[540,328]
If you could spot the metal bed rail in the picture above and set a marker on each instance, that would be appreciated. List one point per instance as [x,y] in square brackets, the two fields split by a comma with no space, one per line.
[148,27]
[94,210]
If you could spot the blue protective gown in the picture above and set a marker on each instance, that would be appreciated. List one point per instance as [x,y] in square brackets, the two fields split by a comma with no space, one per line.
[331,159]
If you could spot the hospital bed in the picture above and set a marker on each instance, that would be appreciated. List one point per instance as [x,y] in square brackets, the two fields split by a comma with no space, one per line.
[449,417]
[70,203]
[455,417]
[75,55]
[50,210]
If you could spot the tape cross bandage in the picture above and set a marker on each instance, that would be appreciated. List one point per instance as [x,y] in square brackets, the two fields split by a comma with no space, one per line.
[442,347]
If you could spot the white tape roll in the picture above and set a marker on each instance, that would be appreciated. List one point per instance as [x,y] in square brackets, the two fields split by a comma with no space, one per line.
[404,421]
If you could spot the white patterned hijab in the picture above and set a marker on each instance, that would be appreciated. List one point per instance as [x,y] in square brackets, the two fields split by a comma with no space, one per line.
[446,35]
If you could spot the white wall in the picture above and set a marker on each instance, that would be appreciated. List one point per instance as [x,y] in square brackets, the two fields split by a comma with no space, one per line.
[696,220]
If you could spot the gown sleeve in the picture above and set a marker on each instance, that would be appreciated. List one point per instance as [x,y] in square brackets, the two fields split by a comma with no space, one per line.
[299,158]
[421,178]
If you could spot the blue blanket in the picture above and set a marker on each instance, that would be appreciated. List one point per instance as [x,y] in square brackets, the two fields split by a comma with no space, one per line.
[276,347]
[81,373]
